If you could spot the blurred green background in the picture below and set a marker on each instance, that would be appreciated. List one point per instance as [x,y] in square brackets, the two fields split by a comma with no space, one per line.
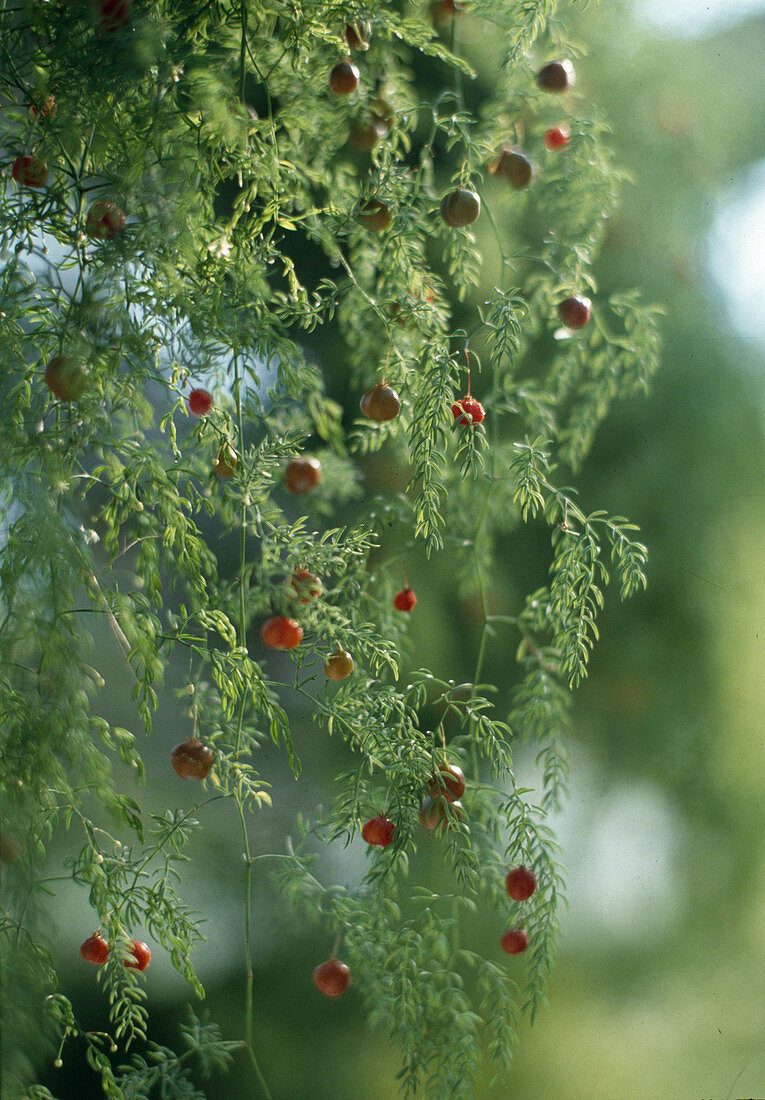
[659,989]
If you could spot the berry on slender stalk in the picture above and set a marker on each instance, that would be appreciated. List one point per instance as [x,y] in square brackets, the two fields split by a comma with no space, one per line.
[380,403]
[141,956]
[344,78]
[192,759]
[378,831]
[473,410]
[305,586]
[339,665]
[200,402]
[95,949]
[375,215]
[302,474]
[515,167]
[104,221]
[29,170]
[557,137]
[434,812]
[514,941]
[575,312]
[461,207]
[558,76]
[448,784]
[404,600]
[65,378]
[279,632]
[225,462]
[332,977]
[520,883]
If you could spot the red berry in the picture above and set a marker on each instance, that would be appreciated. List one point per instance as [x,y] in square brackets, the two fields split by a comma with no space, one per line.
[95,950]
[113,14]
[191,759]
[104,221]
[344,78]
[280,632]
[65,378]
[29,170]
[302,474]
[378,831]
[404,600]
[200,402]
[47,109]
[332,977]
[375,215]
[460,208]
[557,137]
[575,312]
[381,403]
[339,665]
[474,410]
[305,586]
[558,76]
[515,167]
[357,35]
[448,784]
[141,955]
[225,463]
[521,883]
[434,812]
[514,941]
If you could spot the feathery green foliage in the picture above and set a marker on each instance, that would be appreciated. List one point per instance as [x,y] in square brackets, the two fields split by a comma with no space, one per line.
[244,183]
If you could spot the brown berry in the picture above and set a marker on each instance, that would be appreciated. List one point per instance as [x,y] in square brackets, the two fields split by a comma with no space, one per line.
[339,665]
[515,941]
[357,35]
[441,11]
[302,474]
[461,207]
[65,378]
[191,759]
[365,135]
[448,784]
[29,170]
[558,76]
[378,831]
[344,78]
[575,312]
[332,978]
[520,883]
[381,403]
[375,215]
[515,167]
[225,462]
[434,812]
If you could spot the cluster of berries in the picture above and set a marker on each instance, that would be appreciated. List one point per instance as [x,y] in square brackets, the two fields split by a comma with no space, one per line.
[95,950]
